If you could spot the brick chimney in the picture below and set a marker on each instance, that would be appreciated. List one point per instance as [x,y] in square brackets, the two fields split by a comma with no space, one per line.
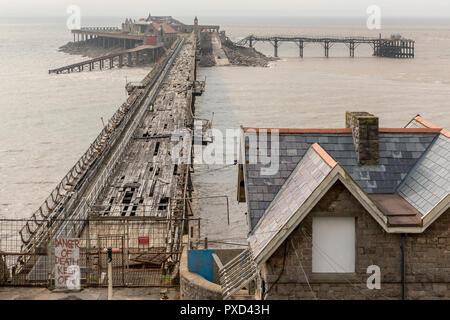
[365,136]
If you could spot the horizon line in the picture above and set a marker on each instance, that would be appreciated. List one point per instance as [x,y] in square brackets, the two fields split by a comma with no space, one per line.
[235,16]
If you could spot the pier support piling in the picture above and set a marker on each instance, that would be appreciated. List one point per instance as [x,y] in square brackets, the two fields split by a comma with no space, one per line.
[301,45]
[275,46]
[130,62]
[352,49]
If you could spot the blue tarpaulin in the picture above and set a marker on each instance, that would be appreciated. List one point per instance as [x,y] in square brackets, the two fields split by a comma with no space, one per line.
[201,262]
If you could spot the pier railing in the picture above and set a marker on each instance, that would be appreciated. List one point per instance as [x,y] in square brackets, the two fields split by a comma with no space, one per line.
[100,29]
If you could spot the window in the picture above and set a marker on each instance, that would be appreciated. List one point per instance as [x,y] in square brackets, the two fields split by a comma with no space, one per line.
[333,249]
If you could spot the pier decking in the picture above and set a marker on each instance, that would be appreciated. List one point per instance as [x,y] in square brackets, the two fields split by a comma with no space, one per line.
[392,48]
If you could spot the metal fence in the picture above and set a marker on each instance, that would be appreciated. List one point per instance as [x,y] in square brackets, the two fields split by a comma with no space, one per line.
[143,254]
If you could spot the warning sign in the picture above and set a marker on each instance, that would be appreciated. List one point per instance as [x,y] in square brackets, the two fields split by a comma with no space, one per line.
[67,269]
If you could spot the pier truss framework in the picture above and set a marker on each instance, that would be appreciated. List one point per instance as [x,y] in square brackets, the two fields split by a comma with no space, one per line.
[389,48]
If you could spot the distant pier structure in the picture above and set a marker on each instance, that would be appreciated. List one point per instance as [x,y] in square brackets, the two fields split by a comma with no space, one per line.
[142,41]
[394,47]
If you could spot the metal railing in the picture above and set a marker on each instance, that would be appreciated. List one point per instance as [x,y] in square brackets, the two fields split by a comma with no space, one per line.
[237,273]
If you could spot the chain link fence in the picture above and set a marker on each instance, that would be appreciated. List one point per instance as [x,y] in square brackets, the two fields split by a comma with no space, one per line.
[146,251]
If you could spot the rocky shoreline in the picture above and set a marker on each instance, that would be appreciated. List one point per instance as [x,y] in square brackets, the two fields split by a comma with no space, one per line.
[86,49]
[243,56]
[237,55]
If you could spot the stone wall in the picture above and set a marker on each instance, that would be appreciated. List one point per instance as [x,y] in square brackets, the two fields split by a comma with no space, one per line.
[427,259]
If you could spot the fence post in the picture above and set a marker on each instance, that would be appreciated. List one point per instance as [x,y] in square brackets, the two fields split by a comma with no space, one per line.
[88,252]
[123,261]
[110,286]
[50,260]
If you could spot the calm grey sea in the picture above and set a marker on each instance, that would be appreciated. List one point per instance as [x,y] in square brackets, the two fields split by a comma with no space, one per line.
[48,121]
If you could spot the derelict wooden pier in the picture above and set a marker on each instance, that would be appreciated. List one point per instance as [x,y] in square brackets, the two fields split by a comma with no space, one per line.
[134,180]
[130,57]
[399,48]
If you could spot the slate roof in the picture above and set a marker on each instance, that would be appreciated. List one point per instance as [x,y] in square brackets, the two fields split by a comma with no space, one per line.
[429,182]
[406,192]
[400,150]
[166,27]
[306,177]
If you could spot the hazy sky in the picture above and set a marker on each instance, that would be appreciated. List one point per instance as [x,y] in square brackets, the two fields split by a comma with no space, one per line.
[400,8]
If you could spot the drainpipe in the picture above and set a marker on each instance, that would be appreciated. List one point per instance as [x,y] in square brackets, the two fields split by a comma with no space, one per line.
[263,289]
[403,268]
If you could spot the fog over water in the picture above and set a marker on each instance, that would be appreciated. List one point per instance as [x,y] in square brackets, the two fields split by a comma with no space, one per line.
[48,121]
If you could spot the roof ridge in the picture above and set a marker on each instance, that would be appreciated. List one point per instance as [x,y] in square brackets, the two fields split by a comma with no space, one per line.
[430,125]
[324,155]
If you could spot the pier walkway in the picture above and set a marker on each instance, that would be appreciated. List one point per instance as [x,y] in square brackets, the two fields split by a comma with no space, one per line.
[392,48]
[131,57]
[130,191]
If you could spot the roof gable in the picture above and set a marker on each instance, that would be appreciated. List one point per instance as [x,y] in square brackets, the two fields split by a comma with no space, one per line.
[314,175]
[310,181]
[305,179]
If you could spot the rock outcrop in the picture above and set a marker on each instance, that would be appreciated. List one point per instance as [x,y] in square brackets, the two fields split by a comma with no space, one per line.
[243,56]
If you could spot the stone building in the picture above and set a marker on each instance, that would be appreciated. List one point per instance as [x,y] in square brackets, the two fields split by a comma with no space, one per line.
[154,29]
[346,208]
[168,35]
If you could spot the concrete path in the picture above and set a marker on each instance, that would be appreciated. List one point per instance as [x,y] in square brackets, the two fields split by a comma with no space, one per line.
[219,54]
[13,293]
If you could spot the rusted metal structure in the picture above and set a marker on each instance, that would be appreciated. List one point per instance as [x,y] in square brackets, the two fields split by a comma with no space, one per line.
[133,182]
[390,48]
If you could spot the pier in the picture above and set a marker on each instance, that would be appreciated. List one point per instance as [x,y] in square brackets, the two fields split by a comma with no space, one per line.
[130,191]
[394,47]
[131,57]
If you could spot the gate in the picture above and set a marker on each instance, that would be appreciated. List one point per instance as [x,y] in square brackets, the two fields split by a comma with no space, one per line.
[142,254]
